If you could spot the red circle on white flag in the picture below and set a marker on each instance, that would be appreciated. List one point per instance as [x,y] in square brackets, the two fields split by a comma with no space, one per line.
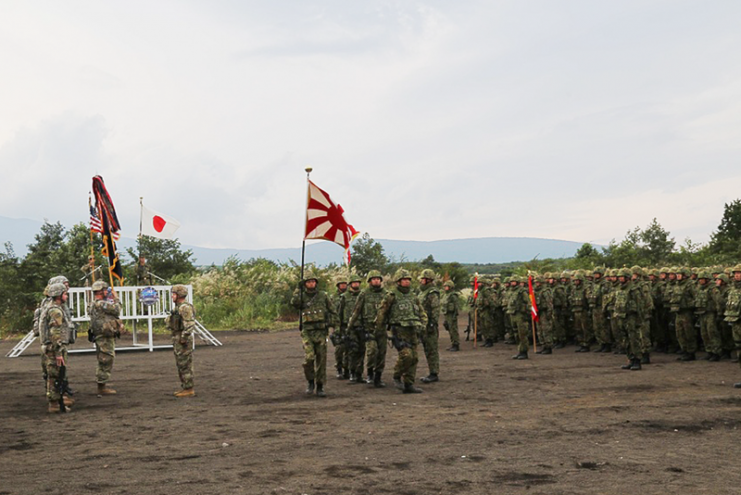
[158,223]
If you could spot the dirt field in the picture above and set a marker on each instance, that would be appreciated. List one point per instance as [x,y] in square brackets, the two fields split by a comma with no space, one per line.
[560,424]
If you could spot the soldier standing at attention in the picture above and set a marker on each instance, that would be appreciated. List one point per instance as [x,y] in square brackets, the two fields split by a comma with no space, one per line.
[578,304]
[364,315]
[338,336]
[404,315]
[544,300]
[356,334]
[733,310]
[53,335]
[449,307]
[318,315]
[105,326]
[429,298]
[143,277]
[87,270]
[683,305]
[627,311]
[486,301]
[706,307]
[518,308]
[182,324]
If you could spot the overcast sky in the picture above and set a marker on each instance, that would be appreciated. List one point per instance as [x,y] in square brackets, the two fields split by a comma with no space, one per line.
[426,120]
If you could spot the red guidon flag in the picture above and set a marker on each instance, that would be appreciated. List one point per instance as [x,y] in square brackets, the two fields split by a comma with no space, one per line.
[157,225]
[325,219]
[533,306]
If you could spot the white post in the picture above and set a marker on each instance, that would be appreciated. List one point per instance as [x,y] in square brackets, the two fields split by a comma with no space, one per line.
[149,325]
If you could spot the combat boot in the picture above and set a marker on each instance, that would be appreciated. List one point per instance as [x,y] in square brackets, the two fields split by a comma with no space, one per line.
[714,358]
[636,365]
[54,408]
[377,380]
[320,390]
[409,388]
[310,387]
[431,378]
[340,373]
[600,348]
[582,348]
[646,359]
[186,392]
[103,389]
[546,351]
[627,365]
[346,374]
[687,356]
[559,345]
[608,348]
[398,384]
[454,348]
[355,378]
[521,355]
[489,343]
[737,385]
[725,355]
[369,380]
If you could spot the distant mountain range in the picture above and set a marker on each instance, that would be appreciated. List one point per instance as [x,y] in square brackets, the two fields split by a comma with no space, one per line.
[21,232]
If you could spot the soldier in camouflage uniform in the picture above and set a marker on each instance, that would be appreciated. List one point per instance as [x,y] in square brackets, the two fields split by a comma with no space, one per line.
[498,321]
[45,302]
[486,302]
[733,310]
[510,284]
[356,334]
[544,301]
[339,335]
[105,327]
[647,305]
[182,325]
[578,303]
[429,298]
[143,276]
[53,329]
[707,309]
[87,270]
[721,296]
[402,313]
[560,312]
[599,319]
[364,316]
[518,310]
[449,308]
[317,315]
[627,311]
[682,305]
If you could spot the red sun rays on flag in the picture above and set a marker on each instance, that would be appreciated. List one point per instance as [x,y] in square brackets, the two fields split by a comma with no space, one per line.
[326,220]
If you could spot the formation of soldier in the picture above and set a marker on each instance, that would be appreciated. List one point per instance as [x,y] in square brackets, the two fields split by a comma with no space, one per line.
[54,327]
[632,311]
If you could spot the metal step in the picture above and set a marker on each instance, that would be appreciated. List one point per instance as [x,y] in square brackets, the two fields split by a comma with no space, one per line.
[22,345]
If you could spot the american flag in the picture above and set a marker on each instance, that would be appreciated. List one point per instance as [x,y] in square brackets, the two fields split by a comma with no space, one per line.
[96,226]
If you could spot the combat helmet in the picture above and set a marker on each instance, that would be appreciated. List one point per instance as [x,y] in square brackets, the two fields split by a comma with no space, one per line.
[402,273]
[181,290]
[355,278]
[724,278]
[704,274]
[736,268]
[578,275]
[374,274]
[637,270]
[56,289]
[686,272]
[99,285]
[59,279]
[428,274]
[598,269]
[449,284]
[342,279]
[310,275]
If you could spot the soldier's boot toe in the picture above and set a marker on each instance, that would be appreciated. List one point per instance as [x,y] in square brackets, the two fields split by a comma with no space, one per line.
[489,343]
[689,356]
[737,385]
[521,355]
[431,378]
[646,359]
[546,351]
[377,380]
[310,387]
[103,389]
[636,366]
[186,392]
[627,365]
[340,374]
[454,348]
[398,384]
[409,388]
[320,390]
[559,345]
[369,379]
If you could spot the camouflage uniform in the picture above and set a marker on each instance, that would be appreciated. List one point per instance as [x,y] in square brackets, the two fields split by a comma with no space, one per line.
[404,315]
[560,313]
[518,309]
[721,296]
[105,326]
[706,308]
[485,303]
[318,315]
[733,312]
[341,360]
[627,311]
[449,308]
[182,325]
[364,316]
[599,319]
[682,305]
[429,299]
[355,336]
[143,276]
[578,304]
[53,329]
[544,301]
[499,308]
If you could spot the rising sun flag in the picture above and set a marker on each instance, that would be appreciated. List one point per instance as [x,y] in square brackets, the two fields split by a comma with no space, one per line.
[325,220]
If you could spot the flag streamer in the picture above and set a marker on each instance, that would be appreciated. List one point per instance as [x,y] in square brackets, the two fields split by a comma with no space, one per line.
[109,228]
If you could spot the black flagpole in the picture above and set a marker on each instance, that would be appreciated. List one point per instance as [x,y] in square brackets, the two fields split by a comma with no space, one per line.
[303,251]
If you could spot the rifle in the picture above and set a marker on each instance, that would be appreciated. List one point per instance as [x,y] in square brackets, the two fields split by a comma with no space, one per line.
[60,387]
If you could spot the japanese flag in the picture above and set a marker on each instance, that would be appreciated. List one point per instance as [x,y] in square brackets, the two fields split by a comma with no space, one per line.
[158,225]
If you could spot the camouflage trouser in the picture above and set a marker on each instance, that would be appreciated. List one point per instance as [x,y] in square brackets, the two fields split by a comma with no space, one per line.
[451,325]
[560,320]
[726,334]
[498,319]
[52,373]
[315,355]
[486,324]
[106,352]
[375,351]
[183,349]
[581,329]
[645,326]
[599,324]
[710,333]
[686,333]
[430,337]
[658,327]
[630,329]
[736,331]
[545,329]
[339,350]
[508,328]
[617,332]
[355,349]
[520,328]
[406,363]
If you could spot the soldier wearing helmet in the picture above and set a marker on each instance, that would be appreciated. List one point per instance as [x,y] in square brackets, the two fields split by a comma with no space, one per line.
[449,305]
[561,310]
[627,312]
[356,334]
[105,326]
[544,301]
[722,285]
[182,325]
[363,317]
[429,298]
[682,305]
[518,310]
[579,306]
[53,335]
[339,336]
[404,316]
[733,310]
[706,311]
[317,316]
